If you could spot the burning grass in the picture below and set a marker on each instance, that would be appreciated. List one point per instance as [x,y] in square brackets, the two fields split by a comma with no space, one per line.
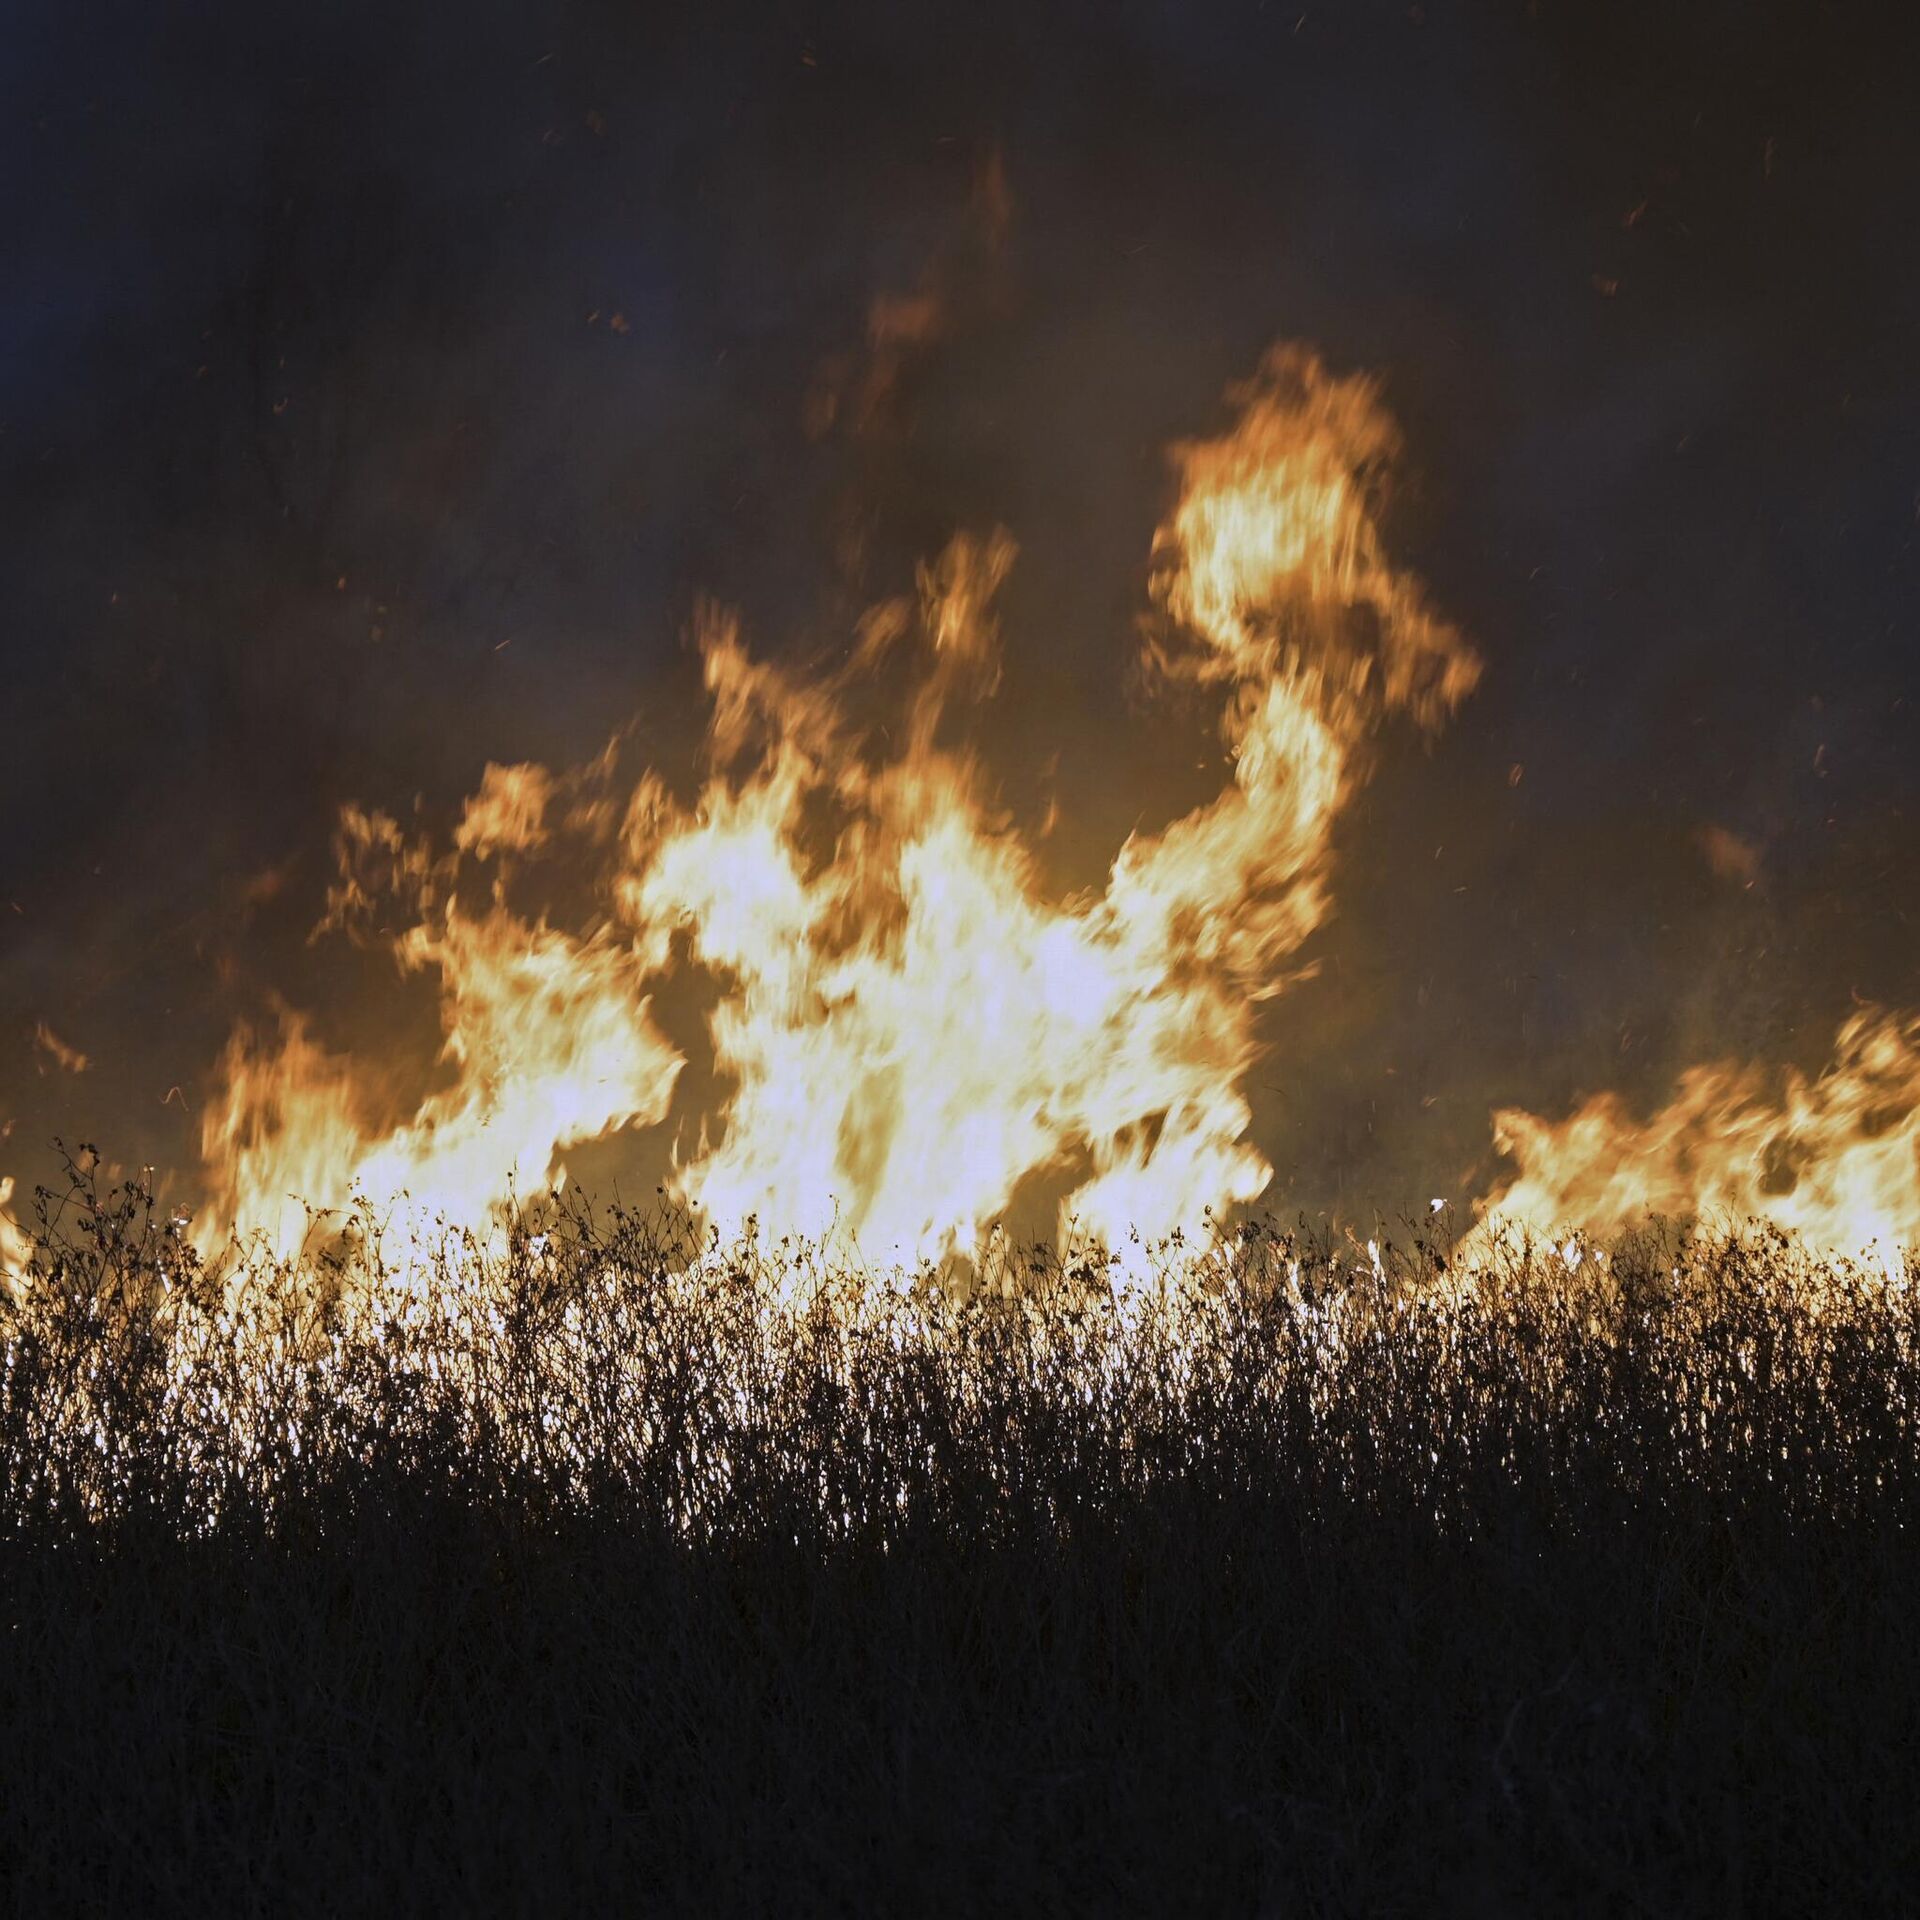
[592,1561]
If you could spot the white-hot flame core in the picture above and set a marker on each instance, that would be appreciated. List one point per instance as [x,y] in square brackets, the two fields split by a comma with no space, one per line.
[907,1024]
[549,1042]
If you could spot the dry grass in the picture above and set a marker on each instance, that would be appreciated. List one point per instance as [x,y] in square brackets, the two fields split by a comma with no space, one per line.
[599,1566]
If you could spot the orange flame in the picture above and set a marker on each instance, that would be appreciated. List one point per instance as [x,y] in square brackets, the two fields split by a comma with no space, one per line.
[911,1032]
[910,1028]
[550,1044]
[1834,1159]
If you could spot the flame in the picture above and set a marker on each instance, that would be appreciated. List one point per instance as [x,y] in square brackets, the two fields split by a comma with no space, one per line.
[911,1032]
[549,1042]
[16,1245]
[909,1027]
[1834,1159]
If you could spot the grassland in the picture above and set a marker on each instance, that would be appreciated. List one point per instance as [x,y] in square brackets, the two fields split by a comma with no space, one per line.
[601,1569]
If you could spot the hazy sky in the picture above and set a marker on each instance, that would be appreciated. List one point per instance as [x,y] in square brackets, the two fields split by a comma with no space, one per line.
[381,384]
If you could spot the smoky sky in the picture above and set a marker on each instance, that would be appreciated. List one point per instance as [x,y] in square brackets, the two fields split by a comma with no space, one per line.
[381,387]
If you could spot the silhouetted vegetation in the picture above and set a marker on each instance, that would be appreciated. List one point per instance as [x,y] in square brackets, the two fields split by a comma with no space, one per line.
[596,1567]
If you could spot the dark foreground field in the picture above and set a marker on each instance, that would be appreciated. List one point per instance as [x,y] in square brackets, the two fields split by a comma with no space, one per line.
[1332,1590]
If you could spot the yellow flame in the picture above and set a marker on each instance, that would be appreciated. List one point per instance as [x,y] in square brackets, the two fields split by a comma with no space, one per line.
[911,1031]
[908,1026]
[16,1245]
[1834,1158]
[549,1042]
